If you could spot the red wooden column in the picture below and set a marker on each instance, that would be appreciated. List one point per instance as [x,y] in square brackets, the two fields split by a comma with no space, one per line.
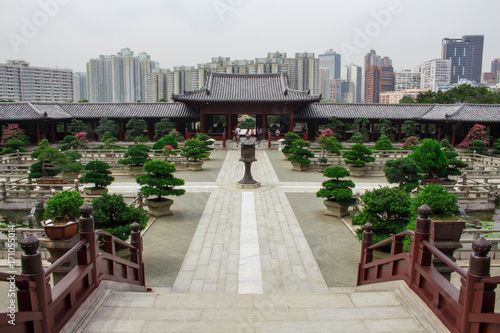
[439,132]
[92,129]
[202,120]
[291,121]
[38,132]
[264,126]
[53,132]
[399,132]
[419,255]
[229,129]
[453,135]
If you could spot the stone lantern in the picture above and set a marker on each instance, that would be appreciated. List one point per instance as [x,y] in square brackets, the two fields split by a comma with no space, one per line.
[247,157]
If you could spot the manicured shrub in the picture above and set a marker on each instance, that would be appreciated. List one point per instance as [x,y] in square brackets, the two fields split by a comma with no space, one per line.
[437,198]
[194,150]
[356,138]
[136,155]
[358,155]
[430,158]
[166,140]
[404,171]
[162,128]
[290,138]
[337,189]
[479,147]
[63,207]
[454,164]
[410,143]
[383,143]
[97,172]
[300,153]
[159,181]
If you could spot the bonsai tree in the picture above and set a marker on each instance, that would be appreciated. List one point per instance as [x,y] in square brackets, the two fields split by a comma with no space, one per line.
[328,142]
[71,142]
[163,128]
[13,146]
[14,132]
[136,155]
[97,173]
[454,164]
[477,132]
[383,143]
[336,126]
[336,189]
[113,215]
[403,171]
[178,136]
[135,129]
[300,153]
[385,127]
[410,143]
[437,198]
[77,126]
[479,147]
[358,155]
[496,144]
[290,138]
[166,140]
[356,138]
[430,158]
[108,140]
[73,165]
[410,128]
[51,161]
[159,181]
[387,209]
[107,125]
[194,150]
[63,207]
[360,125]
[207,142]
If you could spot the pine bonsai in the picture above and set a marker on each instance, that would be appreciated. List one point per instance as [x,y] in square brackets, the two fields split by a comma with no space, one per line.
[496,144]
[356,138]
[194,150]
[454,164]
[135,129]
[108,140]
[163,128]
[290,138]
[207,142]
[166,140]
[478,147]
[336,189]
[437,198]
[63,207]
[300,153]
[430,158]
[358,155]
[383,143]
[97,172]
[136,155]
[51,161]
[404,171]
[159,181]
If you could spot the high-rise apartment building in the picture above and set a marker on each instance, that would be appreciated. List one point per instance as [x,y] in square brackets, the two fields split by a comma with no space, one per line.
[22,83]
[379,76]
[466,56]
[435,74]
[495,66]
[120,78]
[352,74]
[331,60]
[79,87]
[406,80]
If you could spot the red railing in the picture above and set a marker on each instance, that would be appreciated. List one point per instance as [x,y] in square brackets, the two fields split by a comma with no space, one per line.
[42,308]
[470,309]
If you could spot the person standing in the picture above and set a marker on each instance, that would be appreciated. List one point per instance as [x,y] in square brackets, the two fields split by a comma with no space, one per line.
[259,134]
[238,130]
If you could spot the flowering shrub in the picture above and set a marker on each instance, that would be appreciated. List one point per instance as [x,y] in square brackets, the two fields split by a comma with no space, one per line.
[82,136]
[411,142]
[14,132]
[326,132]
[477,132]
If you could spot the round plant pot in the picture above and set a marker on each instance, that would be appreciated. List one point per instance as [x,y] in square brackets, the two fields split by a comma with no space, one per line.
[335,209]
[57,232]
[95,191]
[52,180]
[159,207]
[195,165]
[299,166]
[357,171]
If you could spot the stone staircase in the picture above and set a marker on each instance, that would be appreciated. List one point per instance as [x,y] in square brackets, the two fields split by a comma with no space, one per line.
[387,307]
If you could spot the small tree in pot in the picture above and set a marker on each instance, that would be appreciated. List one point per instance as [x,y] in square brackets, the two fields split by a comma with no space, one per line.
[136,156]
[337,192]
[404,171]
[194,150]
[97,172]
[300,155]
[454,164]
[61,214]
[51,162]
[356,158]
[290,138]
[159,182]
[430,158]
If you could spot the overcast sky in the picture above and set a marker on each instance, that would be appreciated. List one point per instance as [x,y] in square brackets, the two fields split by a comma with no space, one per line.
[189,32]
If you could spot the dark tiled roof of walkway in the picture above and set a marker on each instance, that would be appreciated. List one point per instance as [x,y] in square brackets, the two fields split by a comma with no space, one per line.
[222,87]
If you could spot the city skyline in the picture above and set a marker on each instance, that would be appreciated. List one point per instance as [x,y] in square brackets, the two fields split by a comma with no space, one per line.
[66,34]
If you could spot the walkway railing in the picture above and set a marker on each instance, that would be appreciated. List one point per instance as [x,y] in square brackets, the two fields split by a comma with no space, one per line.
[43,308]
[470,309]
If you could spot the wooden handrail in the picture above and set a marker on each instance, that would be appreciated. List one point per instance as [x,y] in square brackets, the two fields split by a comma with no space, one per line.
[65,257]
[459,270]
[114,239]
[410,233]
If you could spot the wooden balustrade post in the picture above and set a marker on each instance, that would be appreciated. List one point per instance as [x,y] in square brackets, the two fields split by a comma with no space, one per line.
[482,299]
[136,252]
[422,232]
[31,265]
[366,256]
[4,192]
[87,232]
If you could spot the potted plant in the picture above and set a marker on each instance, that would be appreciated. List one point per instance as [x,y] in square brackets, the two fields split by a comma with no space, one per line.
[194,150]
[356,158]
[208,143]
[290,138]
[74,167]
[383,143]
[159,182]
[496,146]
[61,214]
[403,171]
[97,173]
[337,192]
[356,138]
[50,163]
[166,140]
[329,144]
[410,143]
[113,215]
[454,164]
[300,155]
[431,160]
[135,157]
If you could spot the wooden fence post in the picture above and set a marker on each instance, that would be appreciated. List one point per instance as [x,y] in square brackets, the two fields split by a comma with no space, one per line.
[87,232]
[422,232]
[136,253]
[366,255]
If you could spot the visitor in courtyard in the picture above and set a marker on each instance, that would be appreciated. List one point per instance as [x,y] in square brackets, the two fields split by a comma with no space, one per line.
[277,132]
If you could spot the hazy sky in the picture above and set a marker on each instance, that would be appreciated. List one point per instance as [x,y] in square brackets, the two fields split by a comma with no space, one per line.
[67,33]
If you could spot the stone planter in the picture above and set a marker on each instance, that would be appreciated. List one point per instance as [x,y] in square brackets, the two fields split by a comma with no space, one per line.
[445,235]
[449,182]
[299,166]
[95,191]
[159,208]
[195,165]
[357,171]
[57,232]
[52,180]
[136,170]
[432,181]
[335,209]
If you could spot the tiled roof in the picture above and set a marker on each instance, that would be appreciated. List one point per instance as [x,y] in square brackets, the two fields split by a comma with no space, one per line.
[442,111]
[370,111]
[222,87]
[31,111]
[478,113]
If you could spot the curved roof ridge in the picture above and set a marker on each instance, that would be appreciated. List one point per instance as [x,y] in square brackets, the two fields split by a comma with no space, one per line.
[462,105]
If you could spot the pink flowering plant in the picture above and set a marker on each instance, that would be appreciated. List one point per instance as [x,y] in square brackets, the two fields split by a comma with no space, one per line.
[14,132]
[477,132]
[411,143]
[327,141]
[168,151]
[82,137]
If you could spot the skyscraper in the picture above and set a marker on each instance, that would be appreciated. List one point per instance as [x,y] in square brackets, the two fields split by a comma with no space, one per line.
[406,79]
[495,66]
[466,56]
[331,60]
[379,76]
[20,82]
[435,74]
[79,87]
[353,75]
